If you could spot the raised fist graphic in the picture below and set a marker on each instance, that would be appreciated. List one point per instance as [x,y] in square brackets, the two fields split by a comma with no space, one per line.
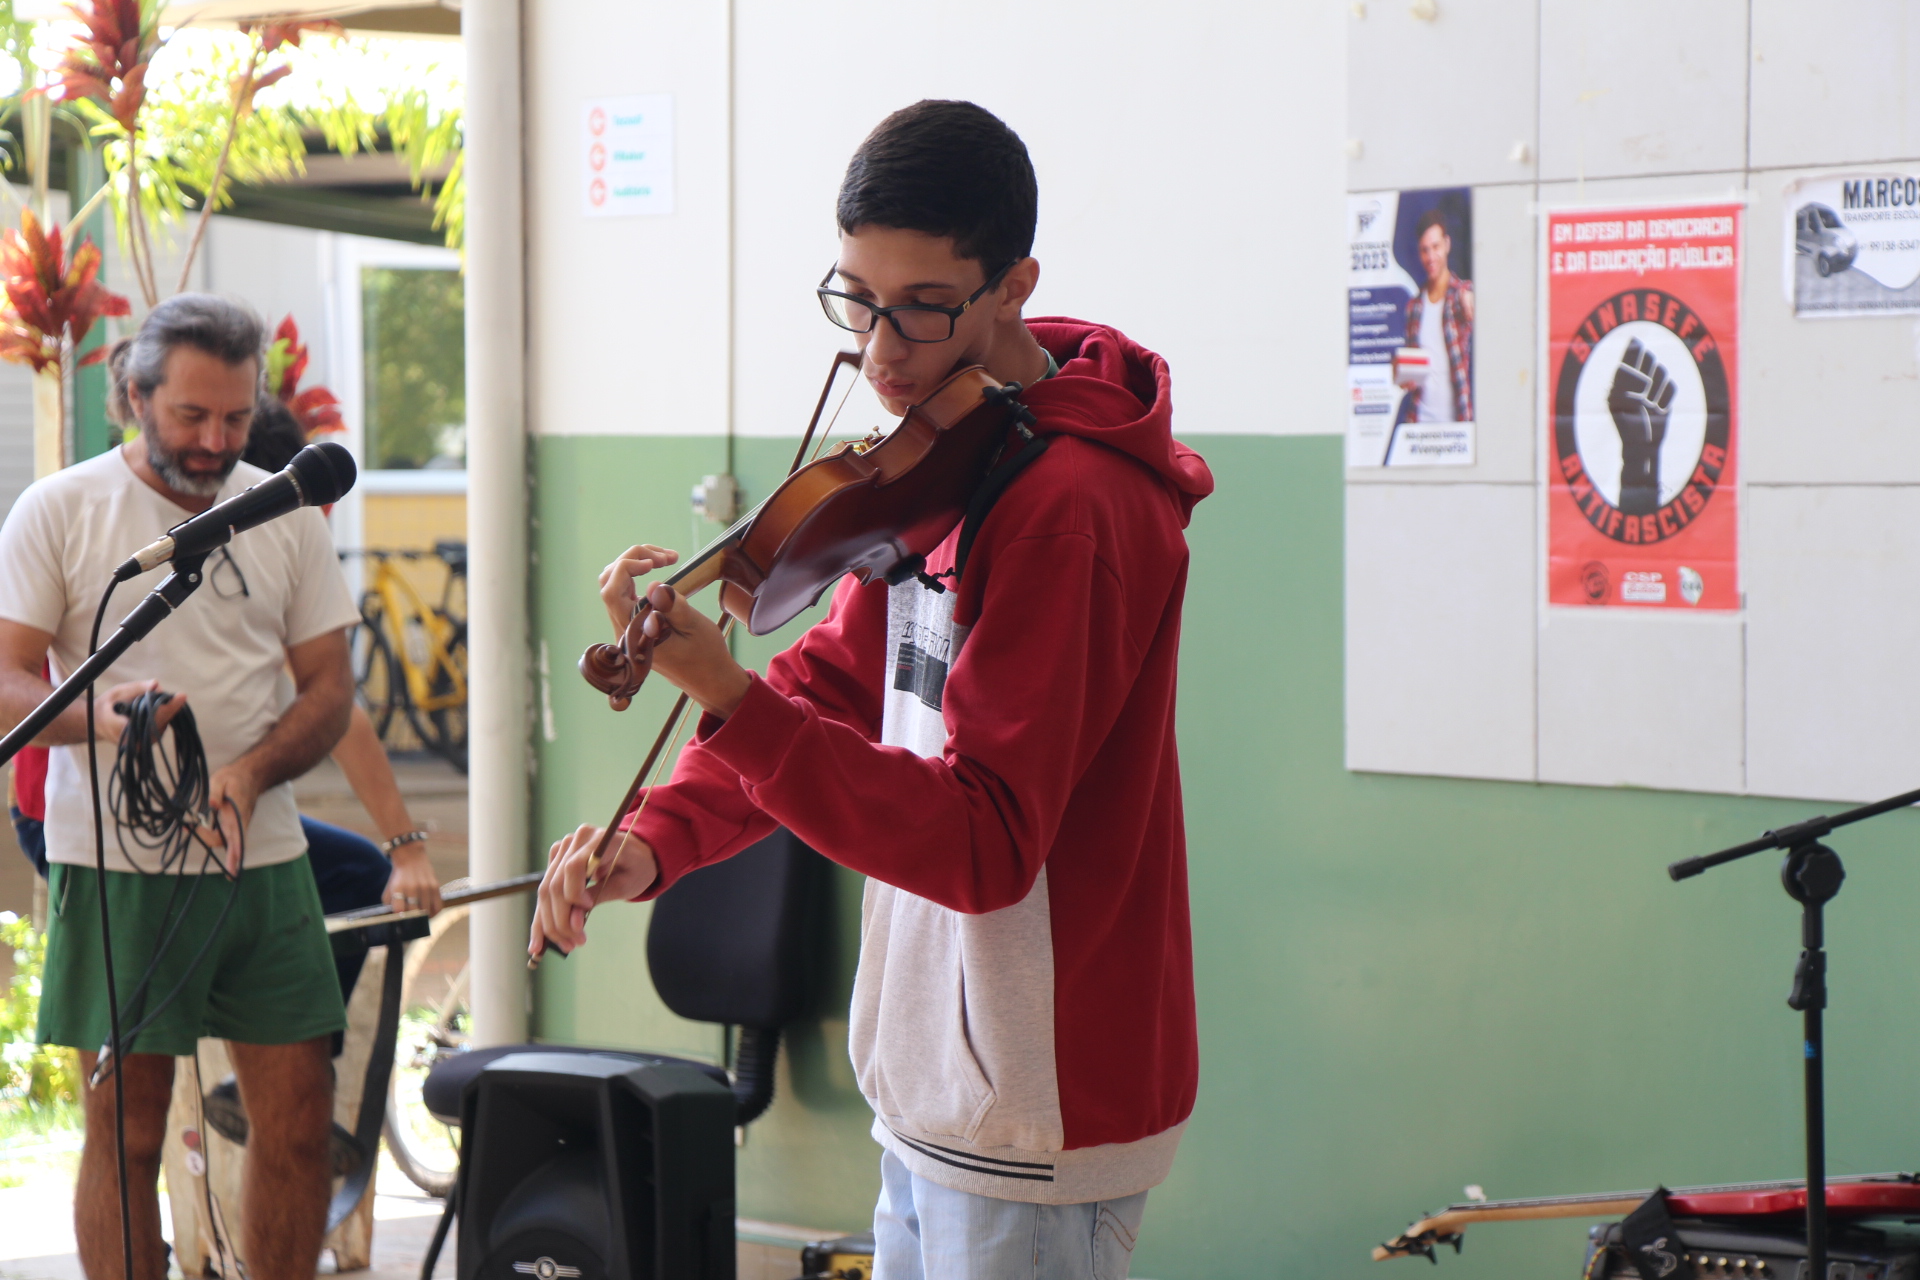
[1642,393]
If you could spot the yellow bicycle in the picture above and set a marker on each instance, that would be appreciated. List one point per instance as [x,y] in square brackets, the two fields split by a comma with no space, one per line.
[410,657]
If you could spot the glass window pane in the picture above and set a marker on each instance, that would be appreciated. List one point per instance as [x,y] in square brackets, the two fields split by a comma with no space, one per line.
[414,334]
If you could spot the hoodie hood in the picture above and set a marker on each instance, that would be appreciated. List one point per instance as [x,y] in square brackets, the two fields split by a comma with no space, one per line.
[1112,390]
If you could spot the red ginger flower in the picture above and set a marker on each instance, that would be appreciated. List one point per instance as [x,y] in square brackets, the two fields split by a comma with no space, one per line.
[109,62]
[275,34]
[271,36]
[50,300]
[316,409]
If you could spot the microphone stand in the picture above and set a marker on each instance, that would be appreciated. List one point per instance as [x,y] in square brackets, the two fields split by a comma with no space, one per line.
[148,614]
[1811,874]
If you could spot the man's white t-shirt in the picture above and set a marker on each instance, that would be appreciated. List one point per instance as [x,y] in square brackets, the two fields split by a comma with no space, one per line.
[1436,398]
[225,648]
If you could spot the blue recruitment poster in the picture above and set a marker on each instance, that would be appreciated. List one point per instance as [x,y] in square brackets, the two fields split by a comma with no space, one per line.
[1853,245]
[1410,314]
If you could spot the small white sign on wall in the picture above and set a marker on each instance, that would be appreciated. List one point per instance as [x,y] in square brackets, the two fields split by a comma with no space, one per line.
[627,155]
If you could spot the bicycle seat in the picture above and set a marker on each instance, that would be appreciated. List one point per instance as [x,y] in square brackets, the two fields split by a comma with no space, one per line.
[454,552]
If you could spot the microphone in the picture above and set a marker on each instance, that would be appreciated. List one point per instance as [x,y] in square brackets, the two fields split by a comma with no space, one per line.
[319,474]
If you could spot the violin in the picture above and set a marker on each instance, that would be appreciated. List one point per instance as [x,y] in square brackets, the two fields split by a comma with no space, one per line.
[872,508]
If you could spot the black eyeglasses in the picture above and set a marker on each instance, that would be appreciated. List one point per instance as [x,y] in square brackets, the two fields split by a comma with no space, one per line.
[225,576]
[914,321]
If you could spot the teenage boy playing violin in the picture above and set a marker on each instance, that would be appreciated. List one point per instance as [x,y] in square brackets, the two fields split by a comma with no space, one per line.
[997,757]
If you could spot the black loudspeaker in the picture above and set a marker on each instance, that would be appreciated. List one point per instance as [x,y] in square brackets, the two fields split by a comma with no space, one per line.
[577,1167]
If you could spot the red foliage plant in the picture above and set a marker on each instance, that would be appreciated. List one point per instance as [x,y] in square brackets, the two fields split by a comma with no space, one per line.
[109,62]
[275,34]
[50,300]
[269,37]
[316,409]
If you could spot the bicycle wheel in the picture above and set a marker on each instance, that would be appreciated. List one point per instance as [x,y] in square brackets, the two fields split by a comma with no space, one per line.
[377,681]
[449,738]
[433,1025]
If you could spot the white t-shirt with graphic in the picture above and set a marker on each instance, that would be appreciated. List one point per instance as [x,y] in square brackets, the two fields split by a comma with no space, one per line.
[273,587]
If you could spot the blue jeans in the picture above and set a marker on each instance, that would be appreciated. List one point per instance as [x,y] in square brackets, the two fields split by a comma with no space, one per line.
[924,1231]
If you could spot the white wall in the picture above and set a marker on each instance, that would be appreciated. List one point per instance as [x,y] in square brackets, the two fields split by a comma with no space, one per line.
[1189,163]
[627,317]
[278,271]
[1811,690]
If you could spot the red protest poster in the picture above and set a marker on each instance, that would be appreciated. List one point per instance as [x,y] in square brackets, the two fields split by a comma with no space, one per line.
[1643,310]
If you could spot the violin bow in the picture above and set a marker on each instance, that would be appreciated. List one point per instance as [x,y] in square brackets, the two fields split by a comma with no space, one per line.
[641,788]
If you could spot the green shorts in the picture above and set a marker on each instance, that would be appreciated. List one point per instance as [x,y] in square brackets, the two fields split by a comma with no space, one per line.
[267,976]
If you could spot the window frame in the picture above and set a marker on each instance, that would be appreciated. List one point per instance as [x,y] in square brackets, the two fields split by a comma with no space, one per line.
[350,256]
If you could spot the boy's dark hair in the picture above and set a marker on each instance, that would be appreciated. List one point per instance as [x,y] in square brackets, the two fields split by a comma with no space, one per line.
[948,169]
[276,435]
[1431,218]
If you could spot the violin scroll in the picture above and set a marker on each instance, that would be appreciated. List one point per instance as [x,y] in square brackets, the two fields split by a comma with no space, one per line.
[618,670]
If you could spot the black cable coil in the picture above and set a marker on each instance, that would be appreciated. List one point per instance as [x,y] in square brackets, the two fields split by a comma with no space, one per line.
[157,796]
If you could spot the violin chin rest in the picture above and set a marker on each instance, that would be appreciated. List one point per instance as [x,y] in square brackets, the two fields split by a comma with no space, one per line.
[613,672]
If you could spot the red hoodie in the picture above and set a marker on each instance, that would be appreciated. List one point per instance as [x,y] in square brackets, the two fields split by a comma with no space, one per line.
[999,760]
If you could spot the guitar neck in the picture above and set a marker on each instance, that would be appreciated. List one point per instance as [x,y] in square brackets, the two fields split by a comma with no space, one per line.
[1612,1197]
[1446,1225]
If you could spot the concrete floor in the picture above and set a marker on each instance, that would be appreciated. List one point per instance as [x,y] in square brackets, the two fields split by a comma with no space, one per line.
[36,1230]
[36,1234]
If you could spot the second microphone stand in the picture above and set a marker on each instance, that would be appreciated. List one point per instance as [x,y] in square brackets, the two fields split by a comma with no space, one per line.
[1811,874]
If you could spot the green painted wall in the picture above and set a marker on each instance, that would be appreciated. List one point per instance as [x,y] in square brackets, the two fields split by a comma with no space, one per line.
[1405,984]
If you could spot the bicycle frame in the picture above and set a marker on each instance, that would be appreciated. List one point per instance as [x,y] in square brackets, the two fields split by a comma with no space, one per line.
[401,603]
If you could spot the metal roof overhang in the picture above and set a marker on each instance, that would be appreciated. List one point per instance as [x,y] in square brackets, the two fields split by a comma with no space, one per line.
[367,194]
[435,18]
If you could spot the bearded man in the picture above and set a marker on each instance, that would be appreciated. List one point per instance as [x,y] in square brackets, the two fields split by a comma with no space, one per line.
[195,952]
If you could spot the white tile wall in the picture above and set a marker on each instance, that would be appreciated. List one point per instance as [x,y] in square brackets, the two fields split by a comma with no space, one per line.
[1833,82]
[1440,629]
[1641,699]
[1826,400]
[1833,691]
[1633,87]
[1814,690]
[1717,184]
[1440,103]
